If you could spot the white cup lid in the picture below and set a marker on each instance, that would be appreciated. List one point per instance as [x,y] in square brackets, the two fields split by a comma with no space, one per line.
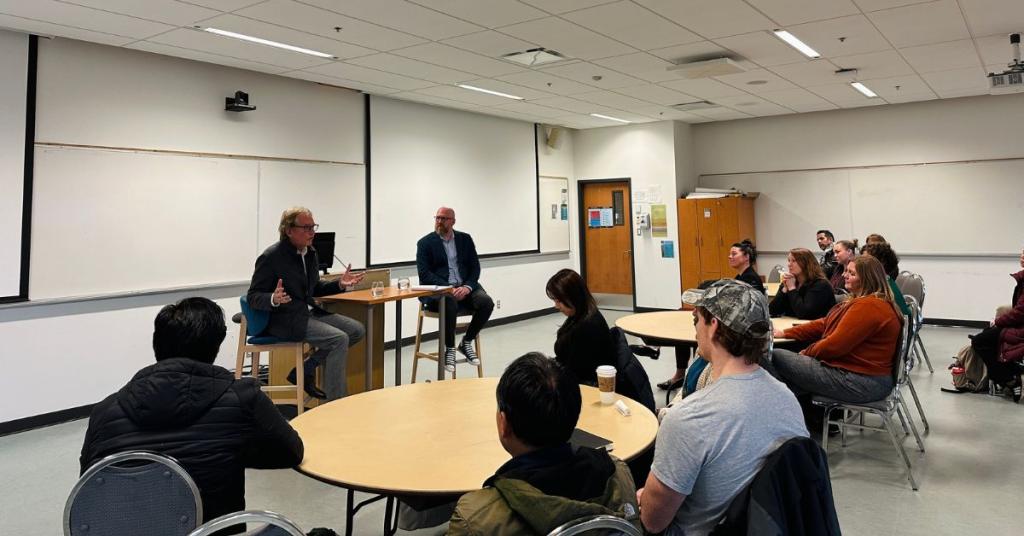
[606,370]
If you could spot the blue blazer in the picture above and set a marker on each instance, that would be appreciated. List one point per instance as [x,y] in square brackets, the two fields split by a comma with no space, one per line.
[432,261]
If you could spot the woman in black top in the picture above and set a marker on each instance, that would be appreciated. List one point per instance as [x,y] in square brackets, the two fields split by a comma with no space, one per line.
[584,342]
[742,256]
[804,292]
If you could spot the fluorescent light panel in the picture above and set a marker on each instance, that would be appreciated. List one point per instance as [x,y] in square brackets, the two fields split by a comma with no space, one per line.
[863,89]
[792,41]
[610,118]
[489,92]
[268,42]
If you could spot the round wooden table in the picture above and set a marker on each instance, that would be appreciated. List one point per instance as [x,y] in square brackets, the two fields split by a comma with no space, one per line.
[667,328]
[435,438]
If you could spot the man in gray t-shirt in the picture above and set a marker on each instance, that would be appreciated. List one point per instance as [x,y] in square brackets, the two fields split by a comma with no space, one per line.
[712,445]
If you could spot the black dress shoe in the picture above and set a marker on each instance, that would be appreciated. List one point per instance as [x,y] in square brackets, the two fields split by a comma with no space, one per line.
[646,351]
[308,385]
[669,385]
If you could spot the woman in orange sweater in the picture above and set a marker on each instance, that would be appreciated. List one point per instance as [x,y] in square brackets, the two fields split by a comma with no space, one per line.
[855,345]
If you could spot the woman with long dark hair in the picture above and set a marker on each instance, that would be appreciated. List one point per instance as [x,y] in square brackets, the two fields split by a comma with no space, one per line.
[742,258]
[584,342]
[804,292]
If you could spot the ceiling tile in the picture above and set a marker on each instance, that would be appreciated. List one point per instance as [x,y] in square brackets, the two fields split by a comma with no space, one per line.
[721,114]
[464,95]
[322,22]
[401,15]
[810,73]
[942,56]
[505,87]
[762,48]
[586,121]
[692,52]
[585,73]
[840,94]
[912,97]
[281,34]
[490,43]
[995,49]
[429,99]
[704,88]
[614,100]
[986,17]
[489,13]
[568,104]
[858,36]
[633,25]
[226,46]
[57,30]
[799,99]
[641,65]
[875,64]
[168,50]
[83,17]
[664,113]
[223,5]
[166,11]
[895,88]
[413,68]
[529,108]
[456,58]
[370,76]
[342,82]
[787,12]
[546,82]
[863,103]
[657,94]
[563,6]
[567,38]
[921,24]
[958,82]
[763,79]
[711,18]
[876,5]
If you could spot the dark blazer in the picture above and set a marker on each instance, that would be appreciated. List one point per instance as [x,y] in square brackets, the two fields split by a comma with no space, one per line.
[199,414]
[282,261]
[750,277]
[432,261]
[809,301]
[583,345]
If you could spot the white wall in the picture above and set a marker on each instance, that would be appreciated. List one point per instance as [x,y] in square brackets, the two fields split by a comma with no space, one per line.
[645,153]
[13,89]
[974,128]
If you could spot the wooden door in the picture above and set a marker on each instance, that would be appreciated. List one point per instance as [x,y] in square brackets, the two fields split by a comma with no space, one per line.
[728,232]
[607,250]
[707,229]
[689,245]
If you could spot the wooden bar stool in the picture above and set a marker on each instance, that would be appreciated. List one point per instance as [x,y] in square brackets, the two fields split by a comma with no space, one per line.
[417,354]
[253,321]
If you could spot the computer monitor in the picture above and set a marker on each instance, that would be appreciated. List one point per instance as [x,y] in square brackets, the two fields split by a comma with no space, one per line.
[323,243]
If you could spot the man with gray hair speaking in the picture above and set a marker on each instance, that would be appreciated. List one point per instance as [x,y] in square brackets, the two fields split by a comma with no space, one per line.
[712,444]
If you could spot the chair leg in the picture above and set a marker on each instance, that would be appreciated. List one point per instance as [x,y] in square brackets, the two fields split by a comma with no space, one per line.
[891,427]
[842,428]
[913,427]
[300,379]
[824,428]
[917,401]
[256,365]
[480,356]
[924,352]
[416,348]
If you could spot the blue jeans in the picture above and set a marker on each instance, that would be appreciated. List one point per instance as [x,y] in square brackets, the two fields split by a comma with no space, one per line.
[807,375]
[332,335]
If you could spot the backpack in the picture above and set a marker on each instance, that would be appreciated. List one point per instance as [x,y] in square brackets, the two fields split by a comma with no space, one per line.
[969,371]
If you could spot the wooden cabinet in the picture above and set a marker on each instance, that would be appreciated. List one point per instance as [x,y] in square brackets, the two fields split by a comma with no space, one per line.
[707,229]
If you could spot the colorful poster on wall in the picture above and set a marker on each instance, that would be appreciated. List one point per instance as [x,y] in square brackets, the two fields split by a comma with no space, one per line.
[593,217]
[667,249]
[659,221]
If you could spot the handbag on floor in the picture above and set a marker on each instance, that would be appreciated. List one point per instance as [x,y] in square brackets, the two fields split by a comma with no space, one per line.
[969,372]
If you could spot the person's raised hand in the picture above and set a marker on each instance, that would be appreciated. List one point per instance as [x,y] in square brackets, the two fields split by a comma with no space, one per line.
[280,296]
[348,278]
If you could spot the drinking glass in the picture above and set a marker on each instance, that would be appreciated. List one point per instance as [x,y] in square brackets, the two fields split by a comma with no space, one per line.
[403,284]
[377,289]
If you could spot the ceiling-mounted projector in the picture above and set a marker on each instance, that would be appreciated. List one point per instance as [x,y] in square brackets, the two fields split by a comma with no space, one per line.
[1012,79]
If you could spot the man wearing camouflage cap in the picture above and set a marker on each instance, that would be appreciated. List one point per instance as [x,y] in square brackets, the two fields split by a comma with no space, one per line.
[711,445]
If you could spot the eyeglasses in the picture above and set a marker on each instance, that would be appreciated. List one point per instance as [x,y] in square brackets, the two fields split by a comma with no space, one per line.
[308,228]
[442,218]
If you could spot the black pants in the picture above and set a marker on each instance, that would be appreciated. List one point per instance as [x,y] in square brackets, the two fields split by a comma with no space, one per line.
[986,344]
[478,302]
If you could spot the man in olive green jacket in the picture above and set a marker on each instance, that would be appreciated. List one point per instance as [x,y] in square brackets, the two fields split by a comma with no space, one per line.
[546,483]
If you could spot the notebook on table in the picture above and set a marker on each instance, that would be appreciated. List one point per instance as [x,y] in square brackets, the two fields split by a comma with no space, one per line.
[582,438]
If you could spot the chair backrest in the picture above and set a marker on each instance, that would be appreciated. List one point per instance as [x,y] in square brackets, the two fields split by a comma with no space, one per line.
[915,313]
[601,523]
[631,380]
[272,524]
[902,278]
[773,276]
[255,321]
[912,285]
[133,493]
[904,359]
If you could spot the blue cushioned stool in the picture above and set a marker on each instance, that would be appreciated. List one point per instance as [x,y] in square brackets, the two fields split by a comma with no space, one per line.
[252,341]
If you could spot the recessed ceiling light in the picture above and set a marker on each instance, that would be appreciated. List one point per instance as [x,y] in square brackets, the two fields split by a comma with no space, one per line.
[864,89]
[489,92]
[757,82]
[269,43]
[792,41]
[610,118]
[534,57]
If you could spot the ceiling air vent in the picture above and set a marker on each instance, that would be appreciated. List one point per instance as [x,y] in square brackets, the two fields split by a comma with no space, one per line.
[696,105]
[534,57]
[708,68]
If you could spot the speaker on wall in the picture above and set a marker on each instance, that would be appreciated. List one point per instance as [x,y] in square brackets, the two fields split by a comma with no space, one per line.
[554,136]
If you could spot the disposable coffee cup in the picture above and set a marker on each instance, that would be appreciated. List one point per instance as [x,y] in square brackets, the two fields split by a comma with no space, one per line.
[606,384]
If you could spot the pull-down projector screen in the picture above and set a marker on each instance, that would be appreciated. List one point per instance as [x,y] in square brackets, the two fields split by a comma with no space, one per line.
[13,106]
[423,157]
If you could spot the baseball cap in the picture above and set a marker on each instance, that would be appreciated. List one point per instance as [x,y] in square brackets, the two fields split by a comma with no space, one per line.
[735,304]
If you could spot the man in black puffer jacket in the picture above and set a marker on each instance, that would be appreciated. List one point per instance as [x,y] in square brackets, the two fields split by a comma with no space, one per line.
[186,407]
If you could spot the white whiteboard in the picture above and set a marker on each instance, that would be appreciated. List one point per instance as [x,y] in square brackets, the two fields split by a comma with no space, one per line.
[108,222]
[423,157]
[13,90]
[962,208]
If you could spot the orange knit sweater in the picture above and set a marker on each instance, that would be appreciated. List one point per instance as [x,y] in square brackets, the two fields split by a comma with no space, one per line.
[859,335]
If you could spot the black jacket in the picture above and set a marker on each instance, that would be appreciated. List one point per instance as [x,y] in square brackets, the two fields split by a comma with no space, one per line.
[583,345]
[750,277]
[199,414]
[631,378]
[790,496]
[281,261]
[809,301]
[432,261]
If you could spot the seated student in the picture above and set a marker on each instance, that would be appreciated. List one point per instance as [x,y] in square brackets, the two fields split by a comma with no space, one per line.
[1001,345]
[186,407]
[852,357]
[875,238]
[827,260]
[583,342]
[712,444]
[546,483]
[845,251]
[891,264]
[804,292]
